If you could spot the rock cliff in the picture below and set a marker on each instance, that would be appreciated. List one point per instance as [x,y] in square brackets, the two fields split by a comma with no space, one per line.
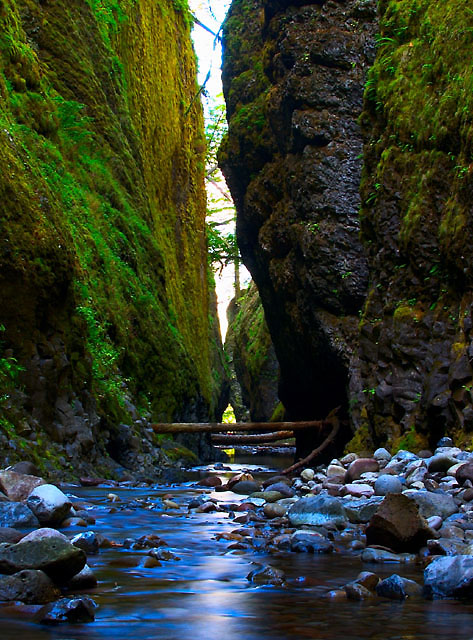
[105,312]
[365,277]
[293,80]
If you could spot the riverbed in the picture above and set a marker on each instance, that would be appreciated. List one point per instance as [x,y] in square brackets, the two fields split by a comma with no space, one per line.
[205,594]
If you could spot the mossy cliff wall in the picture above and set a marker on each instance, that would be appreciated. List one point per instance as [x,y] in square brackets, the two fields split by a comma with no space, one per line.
[417,188]
[293,79]
[251,353]
[103,270]
[294,76]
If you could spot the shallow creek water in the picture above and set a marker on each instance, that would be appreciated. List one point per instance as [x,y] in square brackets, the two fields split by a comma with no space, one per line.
[206,595]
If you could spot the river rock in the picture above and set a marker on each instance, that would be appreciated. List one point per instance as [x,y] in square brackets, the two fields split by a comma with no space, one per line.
[360,466]
[17,486]
[356,591]
[274,510]
[381,556]
[357,490]
[382,454]
[368,579]
[398,525]
[239,477]
[335,470]
[397,588]
[268,496]
[40,534]
[60,560]
[387,484]
[210,481]
[464,473]
[433,504]
[25,468]
[8,534]
[72,610]
[283,488]
[307,475]
[361,511]
[17,515]
[85,579]
[265,574]
[441,462]
[245,487]
[87,541]
[449,577]
[49,504]
[317,510]
[310,541]
[446,547]
[29,586]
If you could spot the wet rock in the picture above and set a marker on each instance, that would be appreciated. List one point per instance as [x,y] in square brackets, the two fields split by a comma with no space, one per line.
[434,522]
[307,475]
[356,591]
[398,525]
[17,515]
[357,490]
[368,580]
[265,574]
[72,610]
[16,486]
[49,504]
[163,554]
[310,541]
[287,492]
[268,496]
[41,534]
[210,481]
[433,504]
[29,586]
[8,534]
[445,442]
[73,522]
[446,547]
[60,560]
[88,481]
[85,579]
[240,477]
[208,507]
[274,510]
[361,511]
[449,577]
[381,556]
[441,462]
[360,466]
[387,484]
[25,468]
[144,542]
[397,588]
[86,541]
[334,471]
[245,487]
[382,454]
[464,473]
[317,510]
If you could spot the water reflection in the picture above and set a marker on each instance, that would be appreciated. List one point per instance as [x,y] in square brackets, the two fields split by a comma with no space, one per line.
[205,595]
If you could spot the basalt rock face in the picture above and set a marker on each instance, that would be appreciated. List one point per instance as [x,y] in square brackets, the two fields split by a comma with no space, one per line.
[105,295]
[293,77]
[251,352]
[416,218]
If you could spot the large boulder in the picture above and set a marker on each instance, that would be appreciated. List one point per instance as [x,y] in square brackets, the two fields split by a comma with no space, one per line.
[317,510]
[18,486]
[398,525]
[49,504]
[73,610]
[449,577]
[59,559]
[17,515]
[29,586]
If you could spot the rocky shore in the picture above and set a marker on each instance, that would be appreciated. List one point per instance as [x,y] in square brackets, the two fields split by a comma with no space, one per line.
[401,509]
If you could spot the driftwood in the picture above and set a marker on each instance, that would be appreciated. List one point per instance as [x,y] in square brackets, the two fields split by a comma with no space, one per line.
[237,427]
[335,422]
[254,438]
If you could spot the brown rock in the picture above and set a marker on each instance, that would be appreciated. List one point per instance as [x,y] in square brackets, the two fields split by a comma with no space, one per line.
[8,534]
[464,473]
[240,477]
[26,468]
[17,486]
[368,580]
[398,525]
[357,467]
[210,481]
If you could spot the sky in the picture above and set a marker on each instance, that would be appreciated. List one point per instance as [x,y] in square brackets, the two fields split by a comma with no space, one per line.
[209,54]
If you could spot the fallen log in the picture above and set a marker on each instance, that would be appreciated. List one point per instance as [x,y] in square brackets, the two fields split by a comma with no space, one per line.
[335,422]
[237,427]
[254,438]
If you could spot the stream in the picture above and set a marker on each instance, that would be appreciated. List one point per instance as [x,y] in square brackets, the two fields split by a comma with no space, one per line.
[206,594]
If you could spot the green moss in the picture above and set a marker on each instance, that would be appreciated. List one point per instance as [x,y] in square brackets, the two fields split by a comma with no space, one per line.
[361,443]
[92,228]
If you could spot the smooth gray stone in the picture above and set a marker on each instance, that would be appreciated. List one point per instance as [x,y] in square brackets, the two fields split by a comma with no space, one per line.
[433,504]
[361,511]
[449,577]
[386,483]
[317,510]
